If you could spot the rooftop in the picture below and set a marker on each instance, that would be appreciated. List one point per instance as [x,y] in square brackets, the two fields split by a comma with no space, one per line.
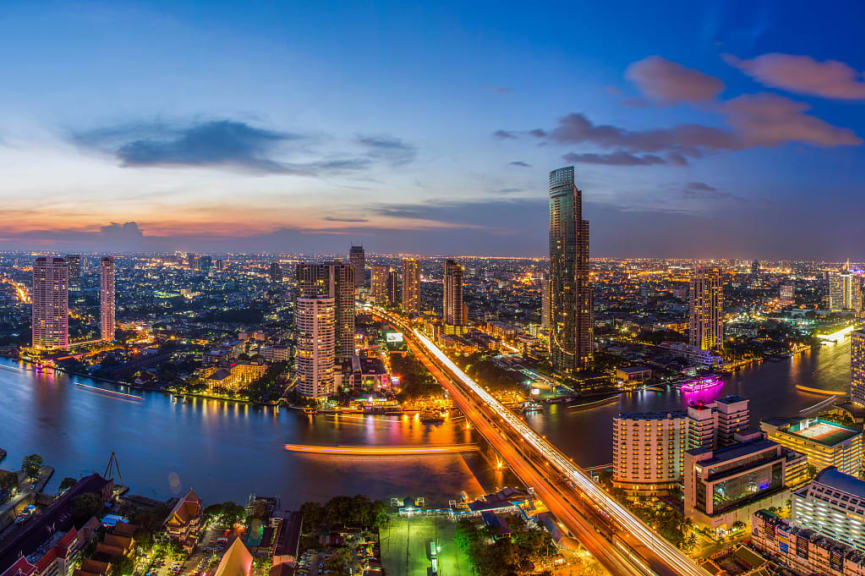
[822,431]
[839,481]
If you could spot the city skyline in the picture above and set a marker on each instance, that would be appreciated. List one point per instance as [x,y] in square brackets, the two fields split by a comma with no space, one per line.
[719,132]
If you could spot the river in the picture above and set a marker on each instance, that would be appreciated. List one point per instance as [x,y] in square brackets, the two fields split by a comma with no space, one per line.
[228,450]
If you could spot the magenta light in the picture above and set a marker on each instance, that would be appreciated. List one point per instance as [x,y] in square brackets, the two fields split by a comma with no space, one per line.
[701,384]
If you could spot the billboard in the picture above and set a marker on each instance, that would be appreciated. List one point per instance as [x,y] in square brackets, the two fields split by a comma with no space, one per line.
[394,337]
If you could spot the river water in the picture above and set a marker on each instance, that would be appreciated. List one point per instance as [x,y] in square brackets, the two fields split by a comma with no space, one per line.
[227,450]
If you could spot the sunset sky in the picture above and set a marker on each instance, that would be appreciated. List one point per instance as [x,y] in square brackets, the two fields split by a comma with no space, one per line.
[696,129]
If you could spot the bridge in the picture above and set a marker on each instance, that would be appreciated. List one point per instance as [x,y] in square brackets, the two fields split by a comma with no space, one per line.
[617,539]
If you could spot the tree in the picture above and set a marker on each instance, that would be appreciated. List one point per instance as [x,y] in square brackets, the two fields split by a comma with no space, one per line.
[8,480]
[31,465]
[85,506]
[67,483]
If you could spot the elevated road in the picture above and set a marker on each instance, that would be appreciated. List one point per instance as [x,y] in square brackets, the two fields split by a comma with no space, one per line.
[617,538]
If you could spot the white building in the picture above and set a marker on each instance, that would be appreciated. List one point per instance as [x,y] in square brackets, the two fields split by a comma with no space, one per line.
[314,357]
[50,303]
[648,450]
[833,505]
[106,298]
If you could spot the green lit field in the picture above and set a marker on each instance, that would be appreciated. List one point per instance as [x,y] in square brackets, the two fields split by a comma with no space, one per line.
[404,542]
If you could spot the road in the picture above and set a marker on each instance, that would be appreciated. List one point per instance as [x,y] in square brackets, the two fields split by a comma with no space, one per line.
[620,541]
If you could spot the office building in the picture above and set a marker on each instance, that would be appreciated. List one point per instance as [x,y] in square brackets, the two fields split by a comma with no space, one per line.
[833,505]
[410,286]
[333,280]
[378,284]
[857,367]
[106,298]
[50,303]
[726,485]
[275,272]
[649,450]
[825,443]
[316,339]
[357,259]
[802,550]
[392,287]
[74,262]
[845,291]
[787,295]
[454,312]
[571,329]
[706,326]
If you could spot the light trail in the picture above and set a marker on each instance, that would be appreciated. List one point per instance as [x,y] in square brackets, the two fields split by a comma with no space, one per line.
[837,336]
[668,553]
[114,393]
[382,450]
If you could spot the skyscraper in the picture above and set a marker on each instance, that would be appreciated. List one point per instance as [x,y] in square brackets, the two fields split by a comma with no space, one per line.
[316,338]
[410,286]
[106,298]
[454,312]
[74,263]
[333,280]
[392,287]
[570,293]
[357,259]
[857,367]
[50,303]
[706,326]
[845,291]
[379,284]
[545,304]
[275,272]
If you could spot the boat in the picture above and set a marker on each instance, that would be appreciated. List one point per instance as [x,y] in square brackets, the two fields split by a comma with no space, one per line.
[531,407]
[432,417]
[309,410]
[709,382]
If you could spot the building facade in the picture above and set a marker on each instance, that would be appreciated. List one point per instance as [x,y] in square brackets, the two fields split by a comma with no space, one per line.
[454,312]
[357,259]
[857,367]
[833,505]
[333,280]
[50,303]
[824,442]
[392,287]
[378,286]
[845,291]
[734,417]
[571,329]
[316,338]
[74,262]
[107,300]
[706,318]
[649,450]
[410,286]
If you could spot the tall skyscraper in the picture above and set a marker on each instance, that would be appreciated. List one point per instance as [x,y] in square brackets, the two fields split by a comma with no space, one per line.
[410,286]
[706,326]
[204,264]
[106,298]
[392,287]
[316,338]
[332,280]
[857,367]
[787,295]
[50,303]
[357,259]
[545,304]
[74,263]
[570,293]
[454,312]
[275,272]
[378,286]
[845,291]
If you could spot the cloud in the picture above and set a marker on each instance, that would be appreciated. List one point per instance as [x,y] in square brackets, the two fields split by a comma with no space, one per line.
[618,158]
[520,164]
[122,232]
[703,191]
[668,82]
[392,150]
[803,75]
[504,135]
[347,220]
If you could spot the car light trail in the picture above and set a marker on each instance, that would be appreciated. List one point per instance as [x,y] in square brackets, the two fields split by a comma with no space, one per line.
[382,450]
[668,553]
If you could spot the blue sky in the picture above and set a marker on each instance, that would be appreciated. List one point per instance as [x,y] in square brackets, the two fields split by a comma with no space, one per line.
[697,129]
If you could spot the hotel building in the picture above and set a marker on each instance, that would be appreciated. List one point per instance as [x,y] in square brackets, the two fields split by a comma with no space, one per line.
[649,450]
[833,505]
[857,367]
[106,298]
[314,357]
[50,303]
[825,443]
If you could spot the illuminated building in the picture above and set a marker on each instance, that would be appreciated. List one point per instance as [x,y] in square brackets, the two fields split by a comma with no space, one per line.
[545,304]
[787,295]
[570,294]
[392,286]
[357,259]
[726,485]
[706,327]
[845,291]
[454,313]
[648,450]
[50,303]
[314,356]
[332,280]
[74,262]
[204,264]
[833,505]
[825,443]
[857,367]
[702,423]
[106,298]
[238,375]
[755,268]
[378,287]
[275,272]
[410,286]
[733,417]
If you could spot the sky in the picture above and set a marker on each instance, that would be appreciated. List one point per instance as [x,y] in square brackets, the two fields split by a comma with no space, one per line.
[697,129]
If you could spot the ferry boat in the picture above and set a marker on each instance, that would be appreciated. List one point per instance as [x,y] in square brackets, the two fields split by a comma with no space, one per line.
[709,382]
[432,417]
[531,407]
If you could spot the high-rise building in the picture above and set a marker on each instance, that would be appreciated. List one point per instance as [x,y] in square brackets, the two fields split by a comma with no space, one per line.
[454,314]
[275,272]
[857,367]
[106,298]
[649,450]
[706,309]
[845,291]
[316,339]
[50,303]
[825,443]
[755,268]
[392,287]
[833,505]
[734,416]
[204,264]
[332,280]
[410,286]
[378,286]
[357,259]
[570,293]
[787,295]
[545,304]
[74,263]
